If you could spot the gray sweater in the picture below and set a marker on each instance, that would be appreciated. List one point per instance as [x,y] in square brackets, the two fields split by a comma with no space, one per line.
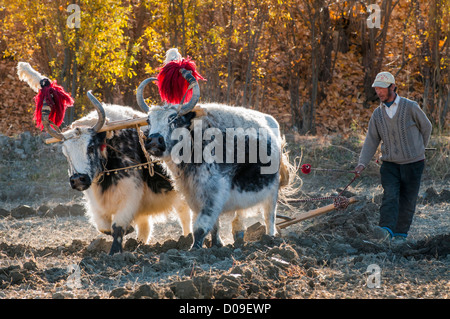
[403,137]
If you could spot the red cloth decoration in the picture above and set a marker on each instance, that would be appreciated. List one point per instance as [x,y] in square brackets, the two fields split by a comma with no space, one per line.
[306,168]
[57,99]
[172,86]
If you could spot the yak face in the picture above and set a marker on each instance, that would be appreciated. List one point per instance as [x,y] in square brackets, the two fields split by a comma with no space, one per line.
[163,123]
[86,155]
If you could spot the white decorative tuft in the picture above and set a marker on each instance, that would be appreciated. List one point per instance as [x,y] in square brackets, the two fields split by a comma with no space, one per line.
[31,76]
[172,55]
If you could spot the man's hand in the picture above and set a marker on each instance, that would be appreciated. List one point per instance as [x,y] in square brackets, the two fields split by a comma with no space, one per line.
[359,169]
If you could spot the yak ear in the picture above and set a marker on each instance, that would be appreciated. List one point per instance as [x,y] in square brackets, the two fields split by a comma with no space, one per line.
[109,135]
[103,141]
[199,111]
[189,116]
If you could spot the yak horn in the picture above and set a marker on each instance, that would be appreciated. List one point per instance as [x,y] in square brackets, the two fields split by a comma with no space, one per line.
[187,107]
[46,123]
[140,94]
[100,110]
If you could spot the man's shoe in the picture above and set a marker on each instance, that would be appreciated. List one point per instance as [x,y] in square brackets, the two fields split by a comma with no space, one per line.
[382,234]
[399,239]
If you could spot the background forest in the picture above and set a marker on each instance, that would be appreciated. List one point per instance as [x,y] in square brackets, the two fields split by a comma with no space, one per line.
[310,63]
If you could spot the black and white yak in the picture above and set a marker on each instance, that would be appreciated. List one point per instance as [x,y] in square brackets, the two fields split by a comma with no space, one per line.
[123,198]
[222,158]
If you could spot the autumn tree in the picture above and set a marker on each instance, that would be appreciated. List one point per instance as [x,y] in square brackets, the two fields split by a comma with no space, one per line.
[310,63]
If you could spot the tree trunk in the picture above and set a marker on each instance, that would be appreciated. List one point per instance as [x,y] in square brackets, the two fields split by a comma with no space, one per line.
[253,39]
[294,83]
[326,45]
[230,64]
[426,55]
[309,115]
[373,57]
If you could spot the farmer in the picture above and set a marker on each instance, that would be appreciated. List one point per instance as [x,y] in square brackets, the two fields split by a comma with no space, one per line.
[404,130]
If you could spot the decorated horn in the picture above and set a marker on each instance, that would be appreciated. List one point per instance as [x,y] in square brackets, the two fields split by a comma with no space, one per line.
[46,123]
[50,95]
[140,94]
[187,107]
[100,110]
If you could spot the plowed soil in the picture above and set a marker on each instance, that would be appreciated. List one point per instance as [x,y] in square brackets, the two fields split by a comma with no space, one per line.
[48,249]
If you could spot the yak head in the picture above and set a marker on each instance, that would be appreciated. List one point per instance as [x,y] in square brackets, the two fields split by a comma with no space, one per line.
[169,130]
[86,154]
[83,146]
[165,120]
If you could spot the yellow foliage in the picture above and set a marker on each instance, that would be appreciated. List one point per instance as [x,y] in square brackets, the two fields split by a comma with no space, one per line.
[261,46]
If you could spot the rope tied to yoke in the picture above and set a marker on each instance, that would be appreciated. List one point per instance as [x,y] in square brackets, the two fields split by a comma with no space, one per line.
[149,164]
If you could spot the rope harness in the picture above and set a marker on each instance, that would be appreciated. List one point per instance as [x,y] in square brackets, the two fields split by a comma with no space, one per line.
[149,164]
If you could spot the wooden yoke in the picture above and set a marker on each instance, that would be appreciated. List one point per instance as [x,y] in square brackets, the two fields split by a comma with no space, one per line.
[112,126]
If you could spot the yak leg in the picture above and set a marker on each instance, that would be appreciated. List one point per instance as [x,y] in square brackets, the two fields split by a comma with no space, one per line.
[237,225]
[117,233]
[102,222]
[214,192]
[203,225]
[144,227]
[270,208]
[215,237]
[184,214]
[125,213]
[207,219]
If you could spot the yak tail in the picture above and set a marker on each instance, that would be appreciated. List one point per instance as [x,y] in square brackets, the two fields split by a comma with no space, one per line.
[31,76]
[290,182]
[285,166]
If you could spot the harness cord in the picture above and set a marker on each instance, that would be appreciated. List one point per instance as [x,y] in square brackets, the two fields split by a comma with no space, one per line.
[151,169]
[149,164]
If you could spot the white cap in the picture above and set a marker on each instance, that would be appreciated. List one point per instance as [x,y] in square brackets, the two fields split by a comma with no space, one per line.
[383,80]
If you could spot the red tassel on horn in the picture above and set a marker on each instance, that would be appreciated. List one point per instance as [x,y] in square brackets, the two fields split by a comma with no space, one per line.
[56,98]
[172,86]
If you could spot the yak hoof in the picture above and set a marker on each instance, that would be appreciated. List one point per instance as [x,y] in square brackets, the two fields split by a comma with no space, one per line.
[238,235]
[217,242]
[129,230]
[115,248]
[196,246]
[199,237]
[117,234]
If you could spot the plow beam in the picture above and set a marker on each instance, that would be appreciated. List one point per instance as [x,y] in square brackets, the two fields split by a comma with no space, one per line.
[313,213]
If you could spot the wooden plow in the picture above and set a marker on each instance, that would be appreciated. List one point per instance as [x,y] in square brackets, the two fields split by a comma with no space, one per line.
[257,230]
[311,214]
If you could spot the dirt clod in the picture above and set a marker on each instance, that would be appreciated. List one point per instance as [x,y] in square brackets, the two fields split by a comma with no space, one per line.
[185,289]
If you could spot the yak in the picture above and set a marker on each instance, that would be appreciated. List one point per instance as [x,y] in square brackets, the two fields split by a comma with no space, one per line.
[121,189]
[222,159]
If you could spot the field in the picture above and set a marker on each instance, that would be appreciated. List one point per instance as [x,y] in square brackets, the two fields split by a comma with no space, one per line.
[48,249]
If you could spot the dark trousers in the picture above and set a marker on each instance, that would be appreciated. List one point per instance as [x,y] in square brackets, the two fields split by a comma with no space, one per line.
[401,183]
